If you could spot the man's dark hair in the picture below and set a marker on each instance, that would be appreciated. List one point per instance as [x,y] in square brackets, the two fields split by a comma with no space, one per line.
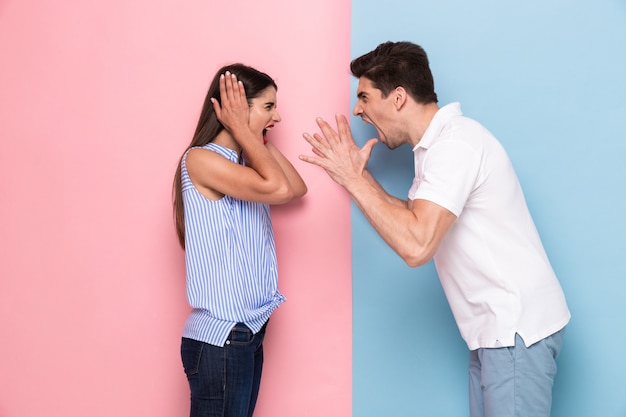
[394,64]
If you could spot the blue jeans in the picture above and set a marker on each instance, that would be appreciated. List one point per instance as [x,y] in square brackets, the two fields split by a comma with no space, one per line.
[514,381]
[224,381]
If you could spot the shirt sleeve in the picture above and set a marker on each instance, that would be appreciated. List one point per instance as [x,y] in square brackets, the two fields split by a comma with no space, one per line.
[448,174]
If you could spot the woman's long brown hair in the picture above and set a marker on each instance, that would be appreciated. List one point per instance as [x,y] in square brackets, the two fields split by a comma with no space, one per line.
[209,127]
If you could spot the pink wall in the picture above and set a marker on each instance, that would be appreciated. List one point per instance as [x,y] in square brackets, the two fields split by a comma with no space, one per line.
[97,100]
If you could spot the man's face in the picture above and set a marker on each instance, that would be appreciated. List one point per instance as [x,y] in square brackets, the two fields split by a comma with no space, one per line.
[378,111]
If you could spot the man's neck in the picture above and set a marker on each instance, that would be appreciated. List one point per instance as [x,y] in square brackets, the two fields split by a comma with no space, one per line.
[420,120]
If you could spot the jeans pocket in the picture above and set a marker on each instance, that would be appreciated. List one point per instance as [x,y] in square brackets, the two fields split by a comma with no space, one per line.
[190,353]
[240,335]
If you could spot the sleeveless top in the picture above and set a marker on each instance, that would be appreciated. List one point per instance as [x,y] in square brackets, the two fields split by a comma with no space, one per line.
[230,258]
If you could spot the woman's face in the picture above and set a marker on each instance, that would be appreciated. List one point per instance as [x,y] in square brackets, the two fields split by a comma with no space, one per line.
[263,113]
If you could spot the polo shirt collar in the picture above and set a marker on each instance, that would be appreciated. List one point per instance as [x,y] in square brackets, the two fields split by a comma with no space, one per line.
[436,125]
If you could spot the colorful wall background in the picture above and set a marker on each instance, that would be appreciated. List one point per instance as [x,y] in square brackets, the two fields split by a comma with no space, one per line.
[547,78]
[97,100]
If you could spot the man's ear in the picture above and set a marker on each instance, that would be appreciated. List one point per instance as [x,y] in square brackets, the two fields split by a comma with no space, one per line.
[400,97]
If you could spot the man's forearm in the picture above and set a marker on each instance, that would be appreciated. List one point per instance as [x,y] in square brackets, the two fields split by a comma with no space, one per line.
[393,221]
[391,199]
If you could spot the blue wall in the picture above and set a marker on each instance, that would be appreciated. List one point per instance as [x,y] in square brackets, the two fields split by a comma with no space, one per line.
[548,79]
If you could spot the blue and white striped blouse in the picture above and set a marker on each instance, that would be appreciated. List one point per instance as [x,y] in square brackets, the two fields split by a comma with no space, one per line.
[230,259]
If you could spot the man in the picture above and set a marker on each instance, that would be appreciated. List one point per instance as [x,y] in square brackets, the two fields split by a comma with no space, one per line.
[466,210]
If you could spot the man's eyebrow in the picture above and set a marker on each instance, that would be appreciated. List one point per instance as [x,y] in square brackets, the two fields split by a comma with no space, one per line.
[361,94]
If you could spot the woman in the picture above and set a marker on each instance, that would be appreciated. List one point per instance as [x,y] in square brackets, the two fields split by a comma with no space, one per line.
[225,182]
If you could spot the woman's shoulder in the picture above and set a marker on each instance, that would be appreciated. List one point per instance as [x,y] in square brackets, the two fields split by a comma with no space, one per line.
[215,148]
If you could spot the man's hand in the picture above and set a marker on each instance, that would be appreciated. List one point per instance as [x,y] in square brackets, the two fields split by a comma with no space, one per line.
[337,153]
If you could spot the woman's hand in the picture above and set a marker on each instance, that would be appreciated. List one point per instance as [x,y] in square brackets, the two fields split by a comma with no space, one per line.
[234,112]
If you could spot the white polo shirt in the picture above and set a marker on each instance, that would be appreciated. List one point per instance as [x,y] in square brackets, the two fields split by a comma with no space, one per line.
[492,264]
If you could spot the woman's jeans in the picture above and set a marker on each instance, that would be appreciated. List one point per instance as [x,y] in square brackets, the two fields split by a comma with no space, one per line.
[224,381]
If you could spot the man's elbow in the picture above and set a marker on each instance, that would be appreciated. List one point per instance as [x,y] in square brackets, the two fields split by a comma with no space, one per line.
[414,258]
[415,262]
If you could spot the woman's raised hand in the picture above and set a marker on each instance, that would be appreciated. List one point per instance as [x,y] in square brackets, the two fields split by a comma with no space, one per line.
[234,111]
